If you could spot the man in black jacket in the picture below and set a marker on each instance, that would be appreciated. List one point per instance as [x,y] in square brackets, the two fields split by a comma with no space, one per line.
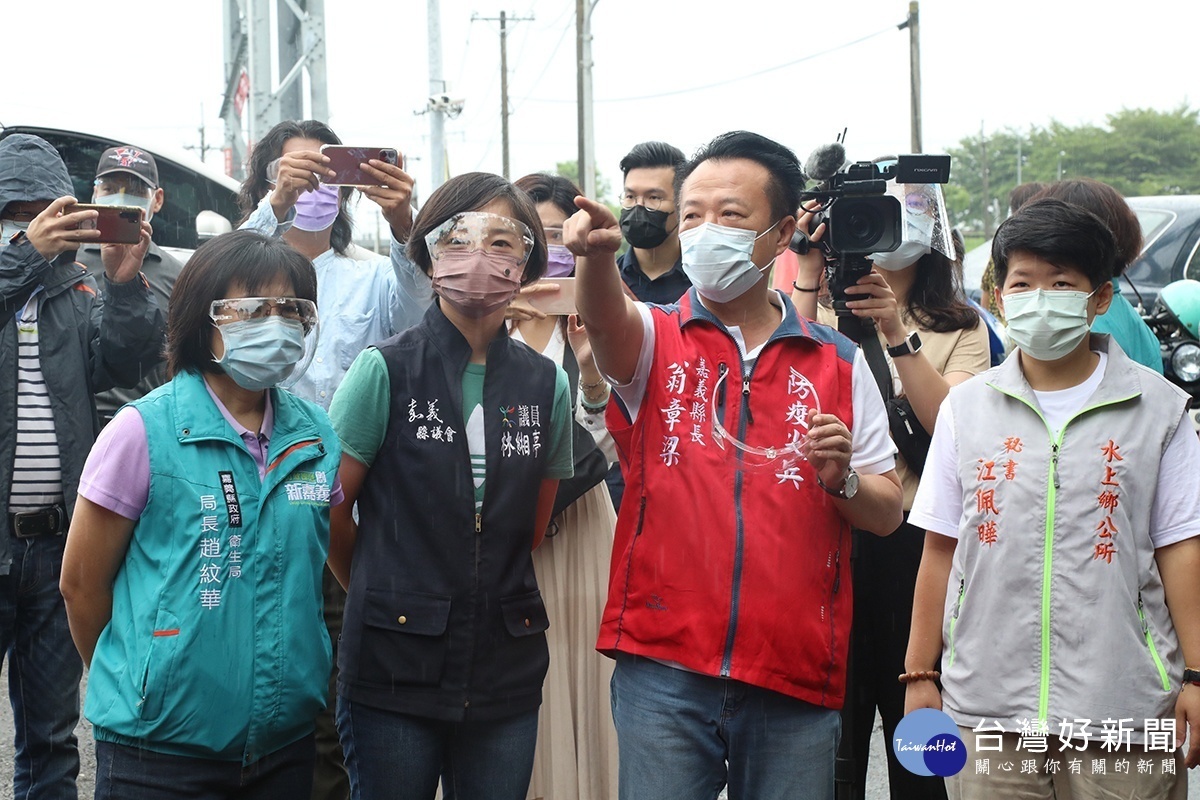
[60,342]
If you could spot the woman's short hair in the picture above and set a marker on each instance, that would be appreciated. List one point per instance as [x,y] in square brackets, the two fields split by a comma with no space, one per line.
[269,148]
[246,259]
[1106,203]
[554,189]
[471,192]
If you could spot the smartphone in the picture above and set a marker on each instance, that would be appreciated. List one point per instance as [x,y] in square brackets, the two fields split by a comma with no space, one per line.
[345,160]
[558,303]
[117,224]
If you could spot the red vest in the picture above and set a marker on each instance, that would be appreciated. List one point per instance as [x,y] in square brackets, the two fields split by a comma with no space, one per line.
[730,564]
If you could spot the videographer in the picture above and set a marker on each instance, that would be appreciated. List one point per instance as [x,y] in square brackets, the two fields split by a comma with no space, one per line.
[933,341]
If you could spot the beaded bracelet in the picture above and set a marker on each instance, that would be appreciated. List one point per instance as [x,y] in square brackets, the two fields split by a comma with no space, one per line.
[588,386]
[920,675]
[803,289]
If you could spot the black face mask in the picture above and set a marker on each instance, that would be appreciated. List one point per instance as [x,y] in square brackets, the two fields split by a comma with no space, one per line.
[643,228]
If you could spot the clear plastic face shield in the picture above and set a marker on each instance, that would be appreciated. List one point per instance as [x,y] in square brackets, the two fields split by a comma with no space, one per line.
[925,218]
[783,457]
[123,189]
[297,319]
[480,232]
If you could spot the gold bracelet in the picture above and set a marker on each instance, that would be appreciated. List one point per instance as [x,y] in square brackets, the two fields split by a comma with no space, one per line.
[589,386]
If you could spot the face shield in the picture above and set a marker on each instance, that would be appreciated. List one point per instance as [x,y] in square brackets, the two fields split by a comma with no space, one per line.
[269,340]
[784,456]
[925,218]
[480,232]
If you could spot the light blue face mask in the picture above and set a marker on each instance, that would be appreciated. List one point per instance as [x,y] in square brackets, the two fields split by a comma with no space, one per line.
[126,199]
[10,228]
[261,353]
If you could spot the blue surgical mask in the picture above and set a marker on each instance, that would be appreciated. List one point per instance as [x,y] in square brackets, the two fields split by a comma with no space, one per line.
[717,260]
[261,353]
[1047,325]
[126,199]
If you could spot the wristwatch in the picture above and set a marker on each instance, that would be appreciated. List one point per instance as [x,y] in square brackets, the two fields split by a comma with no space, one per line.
[910,345]
[849,485]
[1191,676]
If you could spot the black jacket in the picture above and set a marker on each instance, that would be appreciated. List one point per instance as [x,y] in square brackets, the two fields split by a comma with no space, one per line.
[85,344]
[444,618]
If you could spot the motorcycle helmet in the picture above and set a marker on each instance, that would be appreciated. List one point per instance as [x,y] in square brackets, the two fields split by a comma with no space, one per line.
[1179,303]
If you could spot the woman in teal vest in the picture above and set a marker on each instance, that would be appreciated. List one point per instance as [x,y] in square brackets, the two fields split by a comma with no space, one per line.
[192,574]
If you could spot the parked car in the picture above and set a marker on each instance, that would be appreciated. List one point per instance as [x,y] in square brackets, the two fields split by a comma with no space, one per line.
[200,202]
[1170,249]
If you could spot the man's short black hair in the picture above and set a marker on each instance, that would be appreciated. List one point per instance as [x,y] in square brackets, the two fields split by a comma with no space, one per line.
[650,155]
[1061,233]
[787,177]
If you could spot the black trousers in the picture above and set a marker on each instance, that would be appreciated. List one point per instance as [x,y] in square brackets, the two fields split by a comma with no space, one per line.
[885,577]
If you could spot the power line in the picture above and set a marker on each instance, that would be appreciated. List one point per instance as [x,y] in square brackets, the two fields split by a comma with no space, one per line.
[776,68]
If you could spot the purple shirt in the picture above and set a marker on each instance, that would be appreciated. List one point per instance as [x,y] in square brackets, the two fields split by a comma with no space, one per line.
[117,473]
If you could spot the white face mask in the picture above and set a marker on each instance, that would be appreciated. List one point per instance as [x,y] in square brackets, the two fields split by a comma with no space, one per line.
[907,254]
[1047,325]
[718,260]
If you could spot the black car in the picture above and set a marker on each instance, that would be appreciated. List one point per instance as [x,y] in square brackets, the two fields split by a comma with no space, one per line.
[189,190]
[1170,248]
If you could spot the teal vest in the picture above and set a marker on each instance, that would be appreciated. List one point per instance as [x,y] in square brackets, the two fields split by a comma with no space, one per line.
[217,647]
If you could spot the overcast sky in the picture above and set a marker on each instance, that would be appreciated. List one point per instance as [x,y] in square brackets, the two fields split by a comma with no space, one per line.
[143,68]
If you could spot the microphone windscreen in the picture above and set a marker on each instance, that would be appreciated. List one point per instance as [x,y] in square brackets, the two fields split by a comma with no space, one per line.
[824,162]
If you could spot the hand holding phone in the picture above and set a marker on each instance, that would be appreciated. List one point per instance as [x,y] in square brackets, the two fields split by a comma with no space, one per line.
[344,163]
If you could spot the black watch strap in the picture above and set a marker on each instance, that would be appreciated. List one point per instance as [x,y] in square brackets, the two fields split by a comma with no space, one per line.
[910,345]
[1191,676]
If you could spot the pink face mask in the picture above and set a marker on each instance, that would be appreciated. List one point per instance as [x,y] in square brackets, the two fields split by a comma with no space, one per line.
[477,283]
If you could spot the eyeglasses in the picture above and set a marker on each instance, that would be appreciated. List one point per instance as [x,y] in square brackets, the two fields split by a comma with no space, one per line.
[116,184]
[918,202]
[473,231]
[653,201]
[241,309]
[802,398]
[554,235]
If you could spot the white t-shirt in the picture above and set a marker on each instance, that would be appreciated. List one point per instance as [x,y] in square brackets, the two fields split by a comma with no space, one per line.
[1174,517]
[873,453]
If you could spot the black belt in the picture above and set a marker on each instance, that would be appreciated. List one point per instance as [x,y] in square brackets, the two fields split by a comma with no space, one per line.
[49,520]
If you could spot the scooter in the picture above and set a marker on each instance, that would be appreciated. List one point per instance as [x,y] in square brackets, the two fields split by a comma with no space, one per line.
[1175,320]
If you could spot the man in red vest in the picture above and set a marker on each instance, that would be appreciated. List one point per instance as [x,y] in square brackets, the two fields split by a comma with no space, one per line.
[751,441]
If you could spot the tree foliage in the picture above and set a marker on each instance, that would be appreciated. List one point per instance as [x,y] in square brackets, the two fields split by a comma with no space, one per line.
[1138,151]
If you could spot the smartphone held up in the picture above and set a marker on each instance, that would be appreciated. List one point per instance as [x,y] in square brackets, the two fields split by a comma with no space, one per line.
[345,161]
[117,224]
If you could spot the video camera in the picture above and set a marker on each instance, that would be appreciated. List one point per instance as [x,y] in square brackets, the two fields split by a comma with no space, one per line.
[860,216]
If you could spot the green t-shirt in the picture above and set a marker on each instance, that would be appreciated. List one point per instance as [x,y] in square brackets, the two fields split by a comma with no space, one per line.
[362,406]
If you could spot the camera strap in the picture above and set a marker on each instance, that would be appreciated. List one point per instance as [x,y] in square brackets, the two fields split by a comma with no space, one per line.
[862,331]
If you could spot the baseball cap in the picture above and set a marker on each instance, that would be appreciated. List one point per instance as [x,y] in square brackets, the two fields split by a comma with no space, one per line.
[129,159]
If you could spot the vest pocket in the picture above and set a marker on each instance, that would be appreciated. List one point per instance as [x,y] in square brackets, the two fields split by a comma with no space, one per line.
[524,615]
[158,671]
[521,658]
[404,638]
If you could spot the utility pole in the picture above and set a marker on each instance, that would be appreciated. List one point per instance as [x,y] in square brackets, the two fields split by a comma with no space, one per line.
[204,146]
[437,86]
[583,92]
[504,19]
[913,23]
[983,163]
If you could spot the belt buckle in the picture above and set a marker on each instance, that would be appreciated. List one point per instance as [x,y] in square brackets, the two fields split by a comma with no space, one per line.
[50,513]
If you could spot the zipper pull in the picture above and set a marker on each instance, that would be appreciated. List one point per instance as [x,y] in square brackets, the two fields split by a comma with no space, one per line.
[478,523]
[962,585]
[1054,465]
[837,570]
[746,399]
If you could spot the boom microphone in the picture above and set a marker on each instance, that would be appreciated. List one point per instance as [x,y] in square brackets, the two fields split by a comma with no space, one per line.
[824,162]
